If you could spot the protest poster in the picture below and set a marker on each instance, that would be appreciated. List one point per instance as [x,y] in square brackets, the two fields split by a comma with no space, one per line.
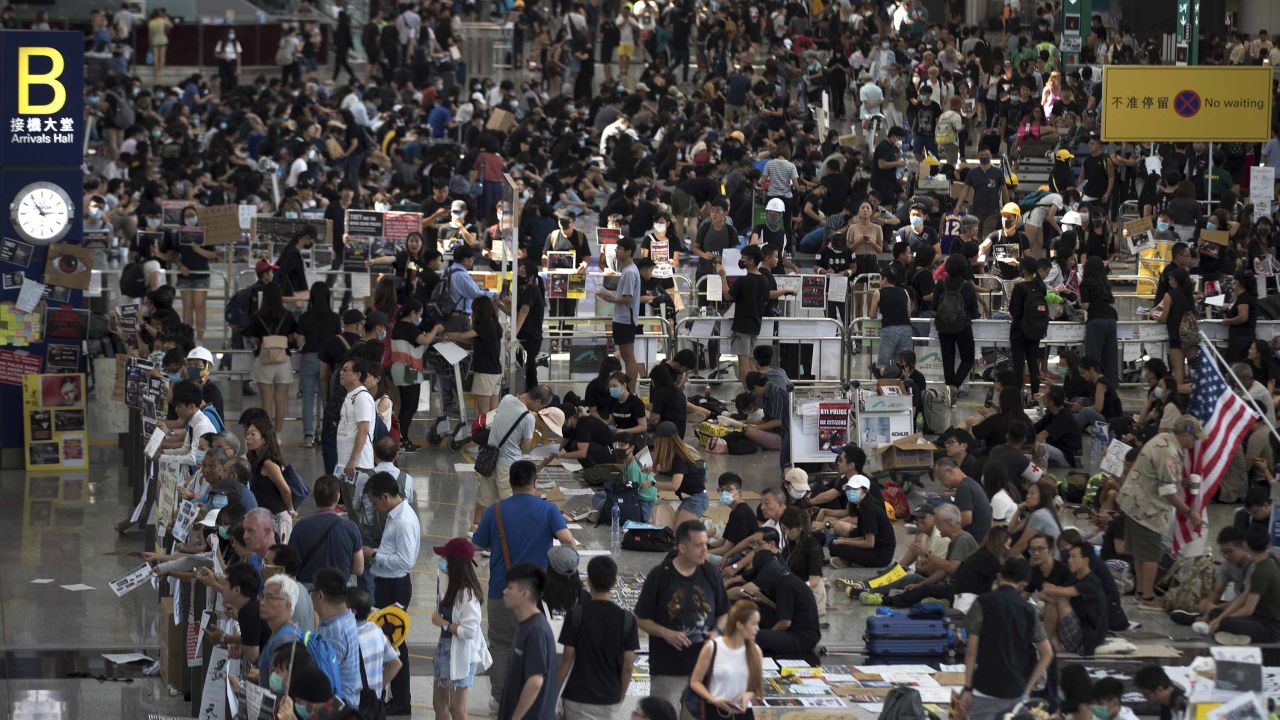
[131,580]
[833,425]
[813,291]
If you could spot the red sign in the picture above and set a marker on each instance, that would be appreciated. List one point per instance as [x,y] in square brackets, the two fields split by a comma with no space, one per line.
[13,365]
[833,425]
[398,225]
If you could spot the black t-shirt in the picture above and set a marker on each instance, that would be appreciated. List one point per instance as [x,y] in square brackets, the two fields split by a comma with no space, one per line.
[685,604]
[1111,406]
[805,558]
[837,196]
[334,349]
[535,298]
[1090,605]
[292,275]
[1247,328]
[991,431]
[670,405]
[873,521]
[597,396]
[406,331]
[977,573]
[691,483]
[533,653]
[253,631]
[599,632]
[885,181]
[1057,575]
[261,328]
[1005,465]
[742,523]
[1064,434]
[835,259]
[793,600]
[316,328]
[1102,304]
[624,413]
[750,294]
[927,118]
[598,437]
[487,349]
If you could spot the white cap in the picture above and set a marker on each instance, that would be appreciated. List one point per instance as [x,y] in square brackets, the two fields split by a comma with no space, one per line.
[458,207]
[858,481]
[210,519]
[1072,217]
[200,353]
[776,205]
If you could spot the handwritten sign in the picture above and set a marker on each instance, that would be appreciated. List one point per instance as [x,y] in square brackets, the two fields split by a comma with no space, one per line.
[186,516]
[1113,461]
[213,700]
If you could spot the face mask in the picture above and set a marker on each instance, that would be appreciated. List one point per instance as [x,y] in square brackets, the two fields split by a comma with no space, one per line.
[189,222]
[223,530]
[726,497]
[302,711]
[382,335]
[615,393]
[1210,226]
[198,455]
[898,144]
[153,222]
[1158,393]
[1162,226]
[231,36]
[884,45]
[194,373]
[155,134]
[984,161]
[660,228]
[1009,223]
[381,207]
[853,495]
[797,494]
[175,377]
[290,215]
[95,212]
[219,502]
[773,223]
[917,222]
[1101,711]
[443,564]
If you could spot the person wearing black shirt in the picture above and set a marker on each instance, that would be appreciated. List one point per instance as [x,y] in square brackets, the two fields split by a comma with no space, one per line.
[532,299]
[1045,569]
[596,397]
[292,275]
[1242,318]
[485,336]
[1076,616]
[1256,510]
[666,393]
[742,521]
[600,641]
[926,121]
[1100,329]
[336,214]
[318,324]
[624,411]
[243,588]
[884,166]
[587,438]
[875,541]
[1097,174]
[836,259]
[750,295]
[1157,689]
[1057,429]
[1024,351]
[435,212]
[408,342]
[567,238]
[796,630]
[1104,402]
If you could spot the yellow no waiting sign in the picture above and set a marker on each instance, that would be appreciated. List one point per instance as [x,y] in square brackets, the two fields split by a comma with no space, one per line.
[1186,104]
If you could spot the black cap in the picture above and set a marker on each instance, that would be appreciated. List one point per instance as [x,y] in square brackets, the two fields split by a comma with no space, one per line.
[377,317]
[352,317]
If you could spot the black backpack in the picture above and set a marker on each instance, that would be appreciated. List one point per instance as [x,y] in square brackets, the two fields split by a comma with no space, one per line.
[133,280]
[441,304]
[950,317]
[1035,312]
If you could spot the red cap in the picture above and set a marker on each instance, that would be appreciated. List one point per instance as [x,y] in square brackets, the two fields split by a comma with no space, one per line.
[458,547]
[263,266]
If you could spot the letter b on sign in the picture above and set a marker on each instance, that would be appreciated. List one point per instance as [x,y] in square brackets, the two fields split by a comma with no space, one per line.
[27,78]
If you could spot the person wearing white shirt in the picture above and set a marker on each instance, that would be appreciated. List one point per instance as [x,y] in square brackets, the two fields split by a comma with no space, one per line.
[392,566]
[186,404]
[355,103]
[355,423]
[297,165]
[617,127]
[881,61]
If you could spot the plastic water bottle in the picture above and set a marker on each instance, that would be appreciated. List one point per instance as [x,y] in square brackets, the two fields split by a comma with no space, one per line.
[615,529]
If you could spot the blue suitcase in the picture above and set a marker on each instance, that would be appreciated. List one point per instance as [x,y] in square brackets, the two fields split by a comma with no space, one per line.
[904,636]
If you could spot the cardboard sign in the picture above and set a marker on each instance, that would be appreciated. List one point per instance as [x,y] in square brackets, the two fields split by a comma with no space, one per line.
[500,120]
[221,224]
[1217,237]
[68,266]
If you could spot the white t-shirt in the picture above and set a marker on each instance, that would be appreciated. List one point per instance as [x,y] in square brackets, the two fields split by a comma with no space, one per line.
[1003,507]
[357,407]
[510,409]
[870,92]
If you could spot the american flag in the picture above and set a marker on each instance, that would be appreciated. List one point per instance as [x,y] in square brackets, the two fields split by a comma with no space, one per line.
[1226,420]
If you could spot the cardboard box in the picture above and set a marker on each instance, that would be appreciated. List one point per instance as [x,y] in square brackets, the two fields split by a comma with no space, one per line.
[173,648]
[500,120]
[912,452]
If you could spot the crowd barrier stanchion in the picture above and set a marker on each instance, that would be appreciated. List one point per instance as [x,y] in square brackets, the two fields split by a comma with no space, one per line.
[826,336]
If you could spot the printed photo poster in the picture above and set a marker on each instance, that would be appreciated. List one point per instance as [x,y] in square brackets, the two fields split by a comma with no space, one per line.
[833,425]
[576,288]
[558,286]
[355,256]
[660,253]
[97,239]
[61,357]
[189,236]
[53,407]
[813,291]
[16,252]
[171,211]
[607,239]
[68,266]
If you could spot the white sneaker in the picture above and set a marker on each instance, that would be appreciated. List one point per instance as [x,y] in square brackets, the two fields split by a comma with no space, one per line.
[1226,638]
[493,707]
[1200,627]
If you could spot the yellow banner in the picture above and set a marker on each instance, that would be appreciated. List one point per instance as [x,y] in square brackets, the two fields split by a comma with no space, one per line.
[1186,104]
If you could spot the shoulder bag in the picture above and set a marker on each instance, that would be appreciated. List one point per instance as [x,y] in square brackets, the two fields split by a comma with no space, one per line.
[487,458]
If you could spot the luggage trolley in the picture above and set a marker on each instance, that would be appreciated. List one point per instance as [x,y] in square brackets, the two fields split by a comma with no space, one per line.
[452,409]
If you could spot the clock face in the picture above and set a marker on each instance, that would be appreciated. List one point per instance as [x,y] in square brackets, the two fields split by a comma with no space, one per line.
[41,213]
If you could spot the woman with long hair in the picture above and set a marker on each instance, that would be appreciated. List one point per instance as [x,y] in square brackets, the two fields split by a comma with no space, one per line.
[1173,307]
[485,337]
[317,324]
[804,552]
[728,675]
[462,649]
[1242,318]
[273,375]
[1036,517]
[596,397]
[193,274]
[1100,328]
[267,483]
[1263,359]
[407,265]
[408,341]
[957,286]
[991,431]
[673,457]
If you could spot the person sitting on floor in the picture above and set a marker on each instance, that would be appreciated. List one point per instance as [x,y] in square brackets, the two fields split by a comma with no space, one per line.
[871,543]
[1076,620]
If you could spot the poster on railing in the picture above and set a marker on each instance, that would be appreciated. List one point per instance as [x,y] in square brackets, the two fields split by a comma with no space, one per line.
[813,291]
[49,402]
[837,288]
[607,239]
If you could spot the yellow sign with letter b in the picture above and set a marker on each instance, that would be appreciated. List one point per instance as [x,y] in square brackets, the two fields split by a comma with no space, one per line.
[50,79]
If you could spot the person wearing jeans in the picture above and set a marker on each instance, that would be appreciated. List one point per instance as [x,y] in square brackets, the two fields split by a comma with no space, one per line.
[895,306]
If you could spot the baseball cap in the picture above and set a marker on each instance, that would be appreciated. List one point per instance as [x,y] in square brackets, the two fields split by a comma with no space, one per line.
[797,479]
[666,429]
[858,481]
[554,419]
[263,266]
[563,560]
[1189,424]
[458,547]
[458,208]
[922,511]
[1064,154]
[352,317]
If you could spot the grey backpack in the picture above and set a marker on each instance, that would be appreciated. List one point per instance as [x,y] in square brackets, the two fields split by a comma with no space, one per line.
[903,703]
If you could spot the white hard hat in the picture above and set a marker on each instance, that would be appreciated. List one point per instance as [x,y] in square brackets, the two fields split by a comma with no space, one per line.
[1072,217]
[200,353]
[776,205]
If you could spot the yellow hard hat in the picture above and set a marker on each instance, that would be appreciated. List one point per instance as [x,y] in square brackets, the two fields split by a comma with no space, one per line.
[1011,208]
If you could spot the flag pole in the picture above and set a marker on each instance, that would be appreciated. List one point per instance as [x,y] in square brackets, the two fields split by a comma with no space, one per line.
[1253,405]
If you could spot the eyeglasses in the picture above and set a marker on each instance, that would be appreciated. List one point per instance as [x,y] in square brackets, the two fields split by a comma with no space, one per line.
[1039,548]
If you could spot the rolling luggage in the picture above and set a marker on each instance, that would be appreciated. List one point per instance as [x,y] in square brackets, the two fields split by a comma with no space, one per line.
[899,636]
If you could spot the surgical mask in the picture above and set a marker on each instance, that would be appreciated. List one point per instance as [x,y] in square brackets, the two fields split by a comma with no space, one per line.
[615,393]
[95,212]
[884,45]
[290,215]
[853,495]
[1210,226]
[198,455]
[381,207]
[302,711]
[224,531]
[660,228]
[219,501]
[153,222]
[175,377]
[155,134]
[726,497]
[1162,226]
[1158,392]
[797,494]
[443,564]
[189,222]
[1100,711]
[231,36]
[917,222]
[382,335]
[276,684]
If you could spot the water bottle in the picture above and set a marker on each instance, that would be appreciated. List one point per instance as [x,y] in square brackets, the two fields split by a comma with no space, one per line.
[615,529]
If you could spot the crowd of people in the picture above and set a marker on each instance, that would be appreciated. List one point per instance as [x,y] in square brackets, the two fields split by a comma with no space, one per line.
[692,130]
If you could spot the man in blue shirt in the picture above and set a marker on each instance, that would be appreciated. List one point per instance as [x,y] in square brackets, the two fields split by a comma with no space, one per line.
[338,628]
[463,289]
[441,118]
[516,530]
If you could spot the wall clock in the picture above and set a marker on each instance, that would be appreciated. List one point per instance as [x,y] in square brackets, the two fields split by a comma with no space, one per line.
[41,212]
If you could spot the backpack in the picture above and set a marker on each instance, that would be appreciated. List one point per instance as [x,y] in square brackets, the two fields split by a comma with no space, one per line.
[124,116]
[937,410]
[1189,581]
[374,522]
[658,539]
[737,443]
[298,487]
[897,499]
[1035,313]
[1189,330]
[133,280]
[211,412]
[284,52]
[324,656]
[239,310]
[950,317]
[441,303]
[903,703]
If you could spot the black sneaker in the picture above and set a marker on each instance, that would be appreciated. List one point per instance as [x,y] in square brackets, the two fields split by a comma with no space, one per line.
[408,447]
[1183,617]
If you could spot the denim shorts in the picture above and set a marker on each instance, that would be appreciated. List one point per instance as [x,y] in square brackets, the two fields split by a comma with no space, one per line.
[441,667]
[695,505]
[646,508]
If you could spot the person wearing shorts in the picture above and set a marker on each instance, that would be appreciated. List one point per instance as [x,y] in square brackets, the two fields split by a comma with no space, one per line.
[1044,211]
[626,308]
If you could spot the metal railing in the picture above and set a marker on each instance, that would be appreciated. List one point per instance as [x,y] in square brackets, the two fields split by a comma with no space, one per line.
[698,333]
